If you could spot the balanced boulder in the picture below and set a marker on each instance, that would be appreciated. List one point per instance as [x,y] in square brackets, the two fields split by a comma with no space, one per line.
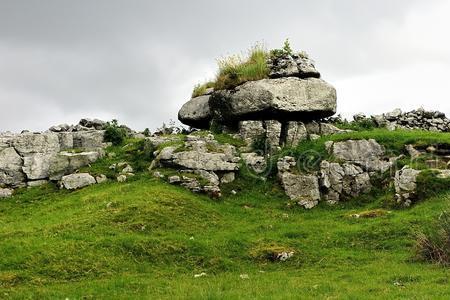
[287,98]
[196,112]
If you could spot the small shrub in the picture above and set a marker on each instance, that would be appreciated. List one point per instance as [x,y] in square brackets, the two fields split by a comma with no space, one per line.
[283,52]
[434,244]
[146,132]
[114,133]
[140,154]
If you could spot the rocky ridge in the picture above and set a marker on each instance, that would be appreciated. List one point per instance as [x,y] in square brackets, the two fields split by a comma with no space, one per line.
[32,159]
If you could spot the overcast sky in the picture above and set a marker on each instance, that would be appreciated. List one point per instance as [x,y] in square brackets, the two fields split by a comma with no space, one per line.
[137,61]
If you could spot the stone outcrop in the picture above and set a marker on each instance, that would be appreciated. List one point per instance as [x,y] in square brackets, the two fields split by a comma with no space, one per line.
[202,163]
[31,159]
[367,154]
[343,181]
[77,181]
[302,188]
[356,162]
[405,183]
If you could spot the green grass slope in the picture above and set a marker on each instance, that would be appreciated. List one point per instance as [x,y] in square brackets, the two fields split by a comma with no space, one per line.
[145,239]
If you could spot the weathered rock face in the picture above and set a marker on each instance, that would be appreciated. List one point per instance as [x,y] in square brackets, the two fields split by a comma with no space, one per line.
[30,143]
[256,163]
[336,181]
[76,181]
[343,181]
[367,154]
[37,150]
[196,112]
[11,164]
[287,98]
[302,188]
[405,183]
[65,163]
[89,140]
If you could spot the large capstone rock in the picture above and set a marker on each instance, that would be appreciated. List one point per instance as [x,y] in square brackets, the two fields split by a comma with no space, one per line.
[275,99]
[196,112]
[11,163]
[66,163]
[76,181]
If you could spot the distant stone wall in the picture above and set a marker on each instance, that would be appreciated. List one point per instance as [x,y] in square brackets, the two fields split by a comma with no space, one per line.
[416,119]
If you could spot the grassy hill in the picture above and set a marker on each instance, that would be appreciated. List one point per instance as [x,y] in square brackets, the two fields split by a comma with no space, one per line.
[146,239]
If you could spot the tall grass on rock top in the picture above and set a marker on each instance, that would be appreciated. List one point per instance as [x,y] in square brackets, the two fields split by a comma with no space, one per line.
[235,70]
[200,89]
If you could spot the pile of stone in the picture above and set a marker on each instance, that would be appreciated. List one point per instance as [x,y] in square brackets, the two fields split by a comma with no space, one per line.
[419,119]
[293,96]
[85,124]
[32,159]
[292,65]
[354,163]
[201,162]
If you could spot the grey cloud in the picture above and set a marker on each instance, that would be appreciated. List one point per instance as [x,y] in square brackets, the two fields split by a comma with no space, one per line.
[137,60]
